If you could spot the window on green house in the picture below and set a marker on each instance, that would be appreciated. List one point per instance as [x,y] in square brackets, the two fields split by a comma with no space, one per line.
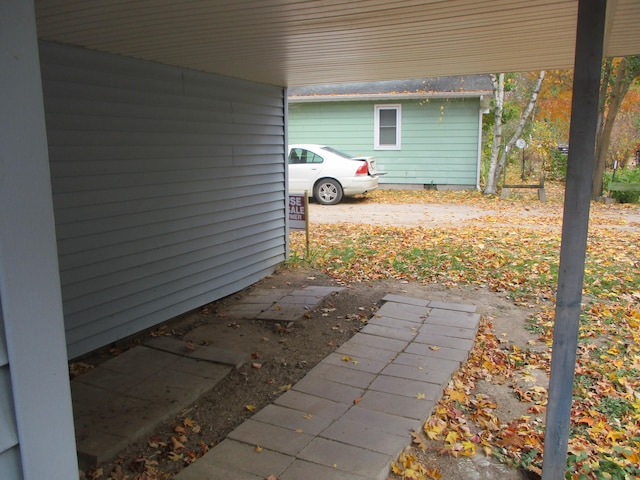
[387,127]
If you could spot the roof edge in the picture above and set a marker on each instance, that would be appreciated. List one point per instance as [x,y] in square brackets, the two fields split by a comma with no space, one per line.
[384,96]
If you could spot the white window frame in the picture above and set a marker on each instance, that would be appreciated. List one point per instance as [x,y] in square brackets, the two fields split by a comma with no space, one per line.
[376,127]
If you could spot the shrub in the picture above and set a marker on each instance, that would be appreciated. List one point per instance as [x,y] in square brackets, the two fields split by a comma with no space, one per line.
[629,175]
[557,168]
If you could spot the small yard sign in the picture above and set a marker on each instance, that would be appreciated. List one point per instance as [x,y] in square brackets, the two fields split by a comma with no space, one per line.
[298,210]
[299,214]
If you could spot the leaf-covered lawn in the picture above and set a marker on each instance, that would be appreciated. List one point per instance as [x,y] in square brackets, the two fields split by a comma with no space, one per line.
[517,255]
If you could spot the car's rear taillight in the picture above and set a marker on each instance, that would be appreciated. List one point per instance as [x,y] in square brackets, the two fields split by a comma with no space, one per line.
[363,169]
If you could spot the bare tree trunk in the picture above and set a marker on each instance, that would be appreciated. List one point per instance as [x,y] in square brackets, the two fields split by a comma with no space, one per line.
[602,98]
[603,139]
[498,99]
[496,165]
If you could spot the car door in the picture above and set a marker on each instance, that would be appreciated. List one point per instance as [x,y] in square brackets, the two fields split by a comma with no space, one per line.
[305,167]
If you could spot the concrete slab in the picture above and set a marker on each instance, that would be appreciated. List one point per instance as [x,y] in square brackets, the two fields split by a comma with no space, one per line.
[364,351]
[355,362]
[249,310]
[454,318]
[386,422]
[304,300]
[366,436]
[303,470]
[400,310]
[448,331]
[347,458]
[428,375]
[272,295]
[460,307]
[392,298]
[198,352]
[327,389]
[147,363]
[395,322]
[271,437]
[342,374]
[418,407]
[427,362]
[444,341]
[390,332]
[394,312]
[237,456]
[436,351]
[282,313]
[126,397]
[314,405]
[203,471]
[319,291]
[292,419]
[376,342]
[406,387]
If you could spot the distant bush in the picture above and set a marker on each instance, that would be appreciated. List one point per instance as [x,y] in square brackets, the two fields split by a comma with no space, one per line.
[557,167]
[630,175]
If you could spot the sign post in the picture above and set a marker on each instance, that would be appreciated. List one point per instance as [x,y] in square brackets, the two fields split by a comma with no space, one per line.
[299,214]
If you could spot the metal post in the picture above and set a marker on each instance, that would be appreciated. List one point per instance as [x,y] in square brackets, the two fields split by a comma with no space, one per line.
[306,221]
[580,165]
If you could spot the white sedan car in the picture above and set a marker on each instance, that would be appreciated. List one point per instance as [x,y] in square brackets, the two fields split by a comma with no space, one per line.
[328,174]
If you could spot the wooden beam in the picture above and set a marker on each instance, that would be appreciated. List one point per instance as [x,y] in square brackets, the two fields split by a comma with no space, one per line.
[575,224]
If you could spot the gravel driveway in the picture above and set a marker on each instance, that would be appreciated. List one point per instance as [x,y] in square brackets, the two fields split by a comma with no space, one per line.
[417,214]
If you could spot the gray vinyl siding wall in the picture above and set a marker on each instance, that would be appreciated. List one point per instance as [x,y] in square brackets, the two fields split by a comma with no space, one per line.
[9,447]
[168,189]
[440,137]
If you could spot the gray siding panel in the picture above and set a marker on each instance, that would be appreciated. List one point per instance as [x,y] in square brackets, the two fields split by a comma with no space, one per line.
[8,432]
[10,467]
[168,189]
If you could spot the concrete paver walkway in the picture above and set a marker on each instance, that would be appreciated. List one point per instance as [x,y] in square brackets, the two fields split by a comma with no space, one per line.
[352,414]
[128,396]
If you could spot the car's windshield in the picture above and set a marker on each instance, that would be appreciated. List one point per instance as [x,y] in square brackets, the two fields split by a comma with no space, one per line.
[337,152]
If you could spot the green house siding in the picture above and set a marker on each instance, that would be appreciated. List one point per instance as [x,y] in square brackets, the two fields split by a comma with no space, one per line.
[439,142]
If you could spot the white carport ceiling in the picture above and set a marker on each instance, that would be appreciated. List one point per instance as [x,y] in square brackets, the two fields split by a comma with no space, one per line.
[297,42]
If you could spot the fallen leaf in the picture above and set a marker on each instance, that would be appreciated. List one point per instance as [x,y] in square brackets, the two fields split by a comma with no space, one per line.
[176,444]
[433,474]
[174,457]
[118,474]
[418,440]
[251,408]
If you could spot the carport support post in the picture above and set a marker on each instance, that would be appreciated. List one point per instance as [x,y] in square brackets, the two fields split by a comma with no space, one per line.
[575,224]
[31,302]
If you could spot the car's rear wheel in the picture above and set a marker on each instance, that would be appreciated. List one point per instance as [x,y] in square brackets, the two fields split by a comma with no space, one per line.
[328,192]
